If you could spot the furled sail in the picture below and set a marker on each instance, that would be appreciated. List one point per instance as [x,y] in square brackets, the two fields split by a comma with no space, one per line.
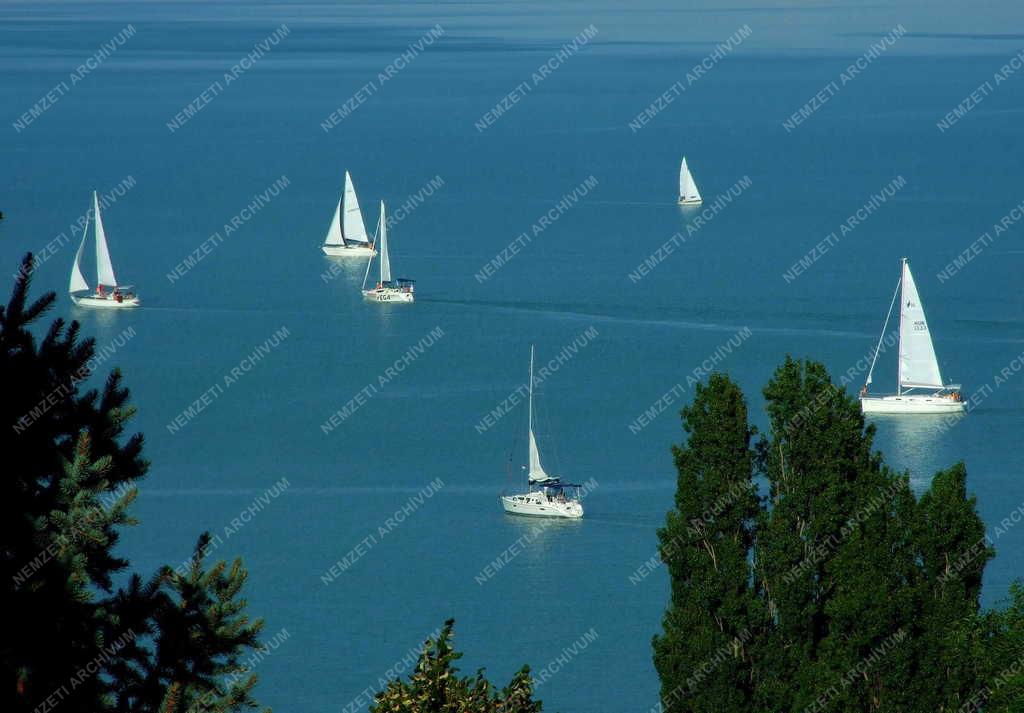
[918,365]
[385,262]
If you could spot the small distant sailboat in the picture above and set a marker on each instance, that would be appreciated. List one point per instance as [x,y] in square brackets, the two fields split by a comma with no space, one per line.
[545,494]
[918,366]
[108,293]
[688,193]
[400,289]
[346,237]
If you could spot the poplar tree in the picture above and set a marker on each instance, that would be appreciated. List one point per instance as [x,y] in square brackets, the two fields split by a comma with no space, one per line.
[834,553]
[859,597]
[702,656]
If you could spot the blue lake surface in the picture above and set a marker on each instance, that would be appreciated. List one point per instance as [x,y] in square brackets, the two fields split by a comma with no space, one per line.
[418,426]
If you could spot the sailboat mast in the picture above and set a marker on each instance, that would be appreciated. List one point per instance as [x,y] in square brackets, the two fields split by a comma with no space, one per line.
[369,263]
[530,421]
[899,349]
[531,389]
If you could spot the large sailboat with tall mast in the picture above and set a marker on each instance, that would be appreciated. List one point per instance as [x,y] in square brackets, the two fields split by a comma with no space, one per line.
[688,193]
[346,236]
[919,385]
[399,289]
[109,294]
[544,495]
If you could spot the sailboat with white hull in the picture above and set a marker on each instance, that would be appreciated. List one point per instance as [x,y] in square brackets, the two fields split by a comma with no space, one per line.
[400,289]
[346,236]
[109,294]
[919,387]
[544,495]
[688,193]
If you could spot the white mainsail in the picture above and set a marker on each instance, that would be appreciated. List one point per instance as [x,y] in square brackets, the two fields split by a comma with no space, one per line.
[385,261]
[334,232]
[536,472]
[78,283]
[918,365]
[104,268]
[687,186]
[352,227]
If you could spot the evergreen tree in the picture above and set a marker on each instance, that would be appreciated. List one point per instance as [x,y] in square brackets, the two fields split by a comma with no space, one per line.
[202,632]
[69,637]
[702,656]
[62,496]
[435,686]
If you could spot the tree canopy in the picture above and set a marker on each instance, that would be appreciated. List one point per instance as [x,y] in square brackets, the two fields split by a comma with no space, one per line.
[806,576]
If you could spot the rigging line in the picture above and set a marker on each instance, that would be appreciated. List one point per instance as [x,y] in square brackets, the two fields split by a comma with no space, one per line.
[884,327]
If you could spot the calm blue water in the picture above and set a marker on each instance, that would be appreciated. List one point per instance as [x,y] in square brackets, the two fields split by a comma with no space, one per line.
[574,276]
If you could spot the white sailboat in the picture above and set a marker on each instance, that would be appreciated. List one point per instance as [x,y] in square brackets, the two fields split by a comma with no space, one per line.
[919,387]
[401,289]
[109,294]
[688,193]
[346,236]
[544,495]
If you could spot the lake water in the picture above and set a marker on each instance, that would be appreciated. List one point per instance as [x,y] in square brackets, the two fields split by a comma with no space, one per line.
[415,133]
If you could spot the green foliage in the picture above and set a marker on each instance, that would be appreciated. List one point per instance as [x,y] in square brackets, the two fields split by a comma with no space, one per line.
[853,594]
[706,544]
[999,648]
[435,686]
[70,639]
[203,630]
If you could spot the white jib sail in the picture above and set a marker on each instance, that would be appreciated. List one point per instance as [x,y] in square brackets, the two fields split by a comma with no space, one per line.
[687,186]
[385,261]
[334,232]
[78,283]
[352,226]
[918,365]
[104,268]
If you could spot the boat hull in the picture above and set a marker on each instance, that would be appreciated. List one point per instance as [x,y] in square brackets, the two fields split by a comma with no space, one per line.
[106,302]
[913,403]
[539,505]
[690,201]
[349,250]
[388,295]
